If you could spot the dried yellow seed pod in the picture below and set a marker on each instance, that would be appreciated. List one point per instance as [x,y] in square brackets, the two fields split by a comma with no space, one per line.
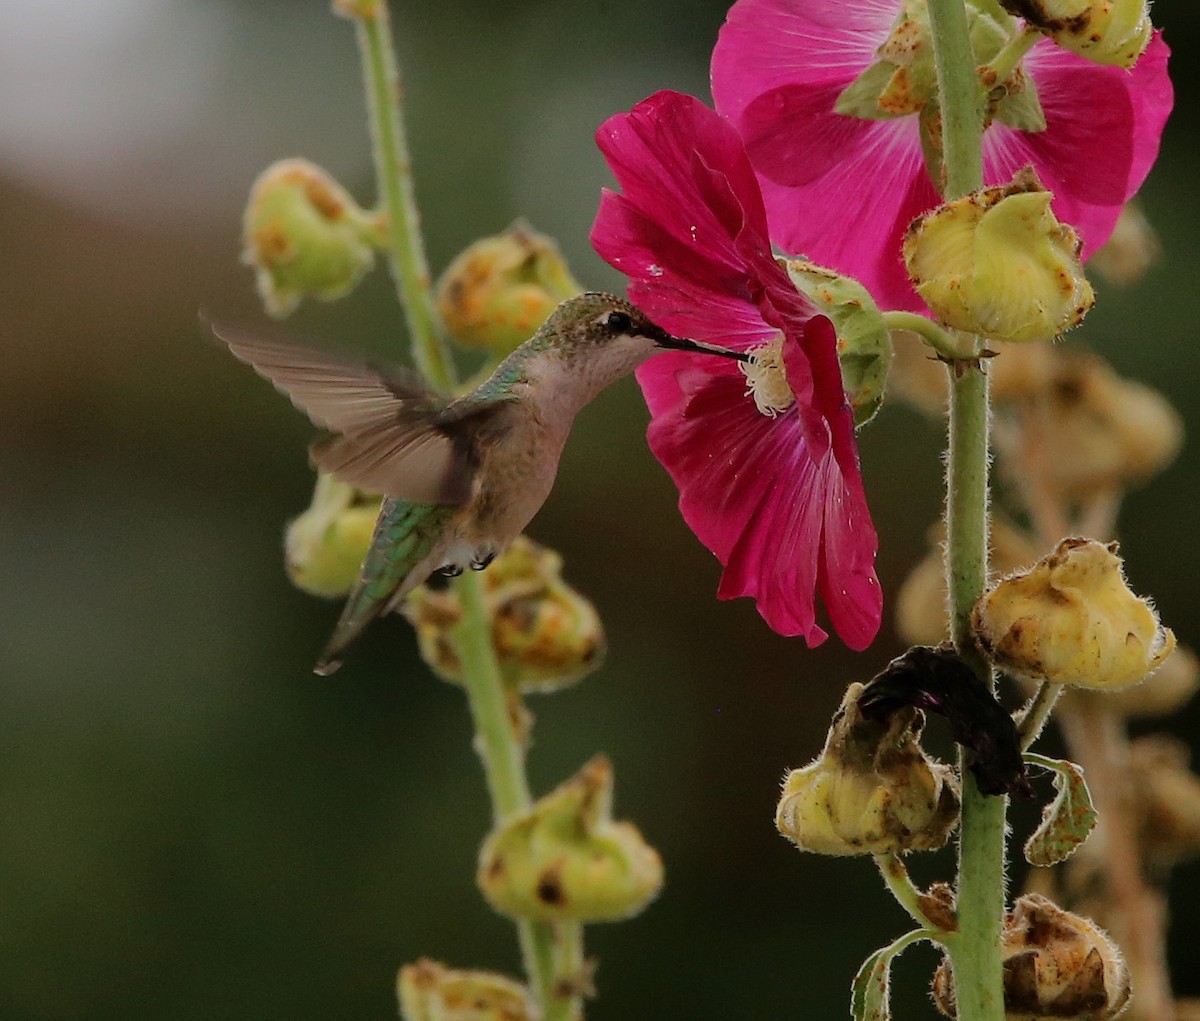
[499,290]
[1056,965]
[1164,692]
[566,859]
[872,791]
[1111,32]
[545,633]
[429,991]
[1071,619]
[325,546]
[304,236]
[999,264]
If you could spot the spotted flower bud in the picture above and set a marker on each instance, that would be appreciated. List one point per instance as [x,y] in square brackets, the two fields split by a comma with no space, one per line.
[997,263]
[566,859]
[1096,432]
[863,342]
[1113,32]
[1056,965]
[497,292]
[1164,692]
[429,991]
[872,791]
[325,546]
[305,236]
[546,635]
[1071,619]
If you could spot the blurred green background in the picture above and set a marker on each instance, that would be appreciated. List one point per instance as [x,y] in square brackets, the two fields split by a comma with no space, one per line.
[192,824]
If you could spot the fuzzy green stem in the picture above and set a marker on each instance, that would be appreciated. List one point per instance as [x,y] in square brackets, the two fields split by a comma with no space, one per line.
[947,344]
[497,739]
[975,951]
[1034,718]
[895,875]
[394,172]
[1005,62]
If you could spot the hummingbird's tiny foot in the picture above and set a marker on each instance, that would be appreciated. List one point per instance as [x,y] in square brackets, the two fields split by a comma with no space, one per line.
[450,570]
[480,563]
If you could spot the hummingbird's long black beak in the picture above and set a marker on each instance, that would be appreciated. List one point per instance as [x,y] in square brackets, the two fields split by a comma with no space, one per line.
[684,344]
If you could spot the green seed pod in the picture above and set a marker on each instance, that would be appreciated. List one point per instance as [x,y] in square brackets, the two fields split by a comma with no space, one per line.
[429,991]
[497,292]
[1071,619]
[864,343]
[546,634]
[565,859]
[325,546]
[305,236]
[872,791]
[997,263]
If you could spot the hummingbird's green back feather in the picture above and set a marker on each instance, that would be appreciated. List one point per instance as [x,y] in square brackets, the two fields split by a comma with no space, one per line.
[405,535]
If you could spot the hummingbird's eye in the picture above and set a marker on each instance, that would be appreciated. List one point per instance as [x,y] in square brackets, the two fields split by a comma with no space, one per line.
[618,322]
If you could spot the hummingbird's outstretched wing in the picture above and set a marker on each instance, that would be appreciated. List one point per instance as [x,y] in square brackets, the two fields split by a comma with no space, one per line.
[390,441]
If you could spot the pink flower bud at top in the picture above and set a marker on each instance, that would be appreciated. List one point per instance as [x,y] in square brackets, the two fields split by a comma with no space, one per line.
[565,859]
[305,236]
[997,263]
[545,633]
[872,791]
[1113,32]
[1131,249]
[1056,965]
[1071,619]
[429,991]
[497,292]
[325,546]
[864,343]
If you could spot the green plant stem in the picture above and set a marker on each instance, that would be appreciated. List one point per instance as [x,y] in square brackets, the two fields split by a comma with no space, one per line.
[945,343]
[1005,62]
[975,951]
[394,171]
[895,874]
[1037,713]
[497,738]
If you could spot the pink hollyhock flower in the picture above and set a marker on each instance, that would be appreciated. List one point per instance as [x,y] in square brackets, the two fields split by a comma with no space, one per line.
[764,456]
[842,189]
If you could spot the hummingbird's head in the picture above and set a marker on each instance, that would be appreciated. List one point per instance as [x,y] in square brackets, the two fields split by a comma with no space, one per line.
[596,320]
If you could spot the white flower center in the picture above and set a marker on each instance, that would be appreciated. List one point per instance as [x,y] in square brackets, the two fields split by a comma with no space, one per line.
[766,378]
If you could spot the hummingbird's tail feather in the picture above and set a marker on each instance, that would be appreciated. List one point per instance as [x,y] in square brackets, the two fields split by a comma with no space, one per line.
[406,535]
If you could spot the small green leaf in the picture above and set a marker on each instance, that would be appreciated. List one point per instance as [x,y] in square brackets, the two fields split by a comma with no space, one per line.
[1067,820]
[869,992]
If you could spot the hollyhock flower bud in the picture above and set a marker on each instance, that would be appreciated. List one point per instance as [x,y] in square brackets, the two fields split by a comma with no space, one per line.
[999,264]
[1166,801]
[864,344]
[1163,693]
[497,292]
[305,236]
[1056,965]
[1111,32]
[566,859]
[1071,619]
[546,635]
[1131,250]
[325,546]
[429,991]
[872,791]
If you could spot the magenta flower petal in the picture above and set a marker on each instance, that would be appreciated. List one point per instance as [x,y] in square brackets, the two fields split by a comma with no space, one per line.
[766,494]
[842,190]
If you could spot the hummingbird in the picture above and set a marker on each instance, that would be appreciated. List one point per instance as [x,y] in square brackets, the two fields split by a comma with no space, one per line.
[461,477]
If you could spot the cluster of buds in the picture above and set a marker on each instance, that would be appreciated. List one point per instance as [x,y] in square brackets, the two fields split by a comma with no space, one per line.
[873,790]
[324,547]
[1072,619]
[305,236]
[1056,965]
[429,991]
[997,263]
[499,290]
[566,859]
[546,634]
[1113,32]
